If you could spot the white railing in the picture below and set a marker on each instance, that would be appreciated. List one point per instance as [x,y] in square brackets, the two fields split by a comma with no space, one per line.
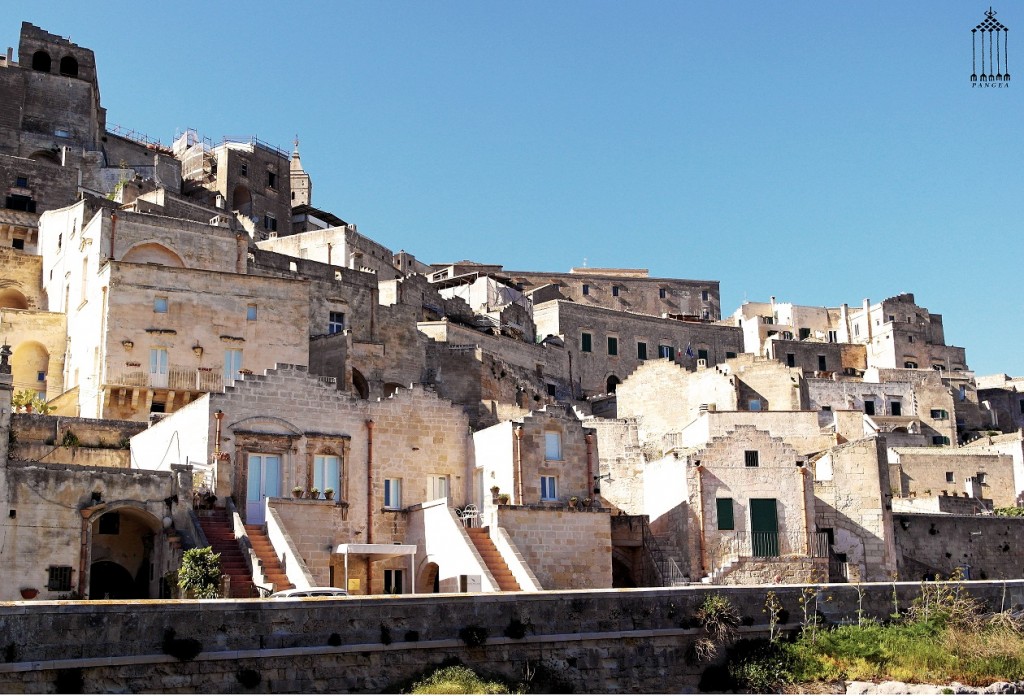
[178,378]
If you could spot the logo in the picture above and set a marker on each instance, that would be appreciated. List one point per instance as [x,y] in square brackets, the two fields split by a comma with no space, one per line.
[989,49]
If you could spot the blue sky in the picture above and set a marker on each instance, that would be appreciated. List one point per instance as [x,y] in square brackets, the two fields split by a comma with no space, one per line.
[818,152]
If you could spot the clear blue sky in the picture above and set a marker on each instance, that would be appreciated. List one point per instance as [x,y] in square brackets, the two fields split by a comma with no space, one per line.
[818,152]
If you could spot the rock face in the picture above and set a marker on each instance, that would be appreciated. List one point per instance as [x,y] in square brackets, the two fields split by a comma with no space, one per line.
[894,687]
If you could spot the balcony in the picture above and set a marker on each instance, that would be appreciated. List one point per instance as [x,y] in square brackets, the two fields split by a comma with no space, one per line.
[177,378]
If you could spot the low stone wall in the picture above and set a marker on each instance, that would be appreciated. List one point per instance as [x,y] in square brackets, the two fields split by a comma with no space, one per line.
[989,546]
[588,641]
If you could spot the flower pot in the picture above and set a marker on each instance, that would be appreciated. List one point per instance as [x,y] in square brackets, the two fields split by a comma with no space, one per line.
[29,592]
[329,495]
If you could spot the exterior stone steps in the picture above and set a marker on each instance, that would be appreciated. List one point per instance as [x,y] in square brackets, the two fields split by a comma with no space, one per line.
[271,567]
[219,533]
[493,560]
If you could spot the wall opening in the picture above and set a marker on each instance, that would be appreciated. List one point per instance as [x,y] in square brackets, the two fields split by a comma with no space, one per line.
[41,61]
[69,66]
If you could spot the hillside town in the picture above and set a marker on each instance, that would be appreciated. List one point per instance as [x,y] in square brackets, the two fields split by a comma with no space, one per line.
[196,355]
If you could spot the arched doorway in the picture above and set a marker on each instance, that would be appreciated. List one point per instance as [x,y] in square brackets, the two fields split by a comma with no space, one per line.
[29,365]
[41,61]
[152,252]
[241,200]
[612,384]
[125,562]
[12,298]
[430,577]
[69,66]
[360,384]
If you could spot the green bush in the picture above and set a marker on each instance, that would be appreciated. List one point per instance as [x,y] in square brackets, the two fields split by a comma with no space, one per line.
[458,680]
[199,575]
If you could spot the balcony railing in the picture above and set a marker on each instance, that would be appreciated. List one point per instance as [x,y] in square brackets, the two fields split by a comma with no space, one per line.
[730,546]
[177,378]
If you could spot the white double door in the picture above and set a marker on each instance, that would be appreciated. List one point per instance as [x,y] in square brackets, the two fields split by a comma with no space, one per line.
[264,482]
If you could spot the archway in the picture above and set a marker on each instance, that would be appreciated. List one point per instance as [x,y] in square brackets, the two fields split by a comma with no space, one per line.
[69,66]
[12,298]
[612,384]
[622,574]
[124,559]
[154,253]
[430,577]
[41,61]
[242,200]
[29,365]
[360,384]
[45,156]
[391,388]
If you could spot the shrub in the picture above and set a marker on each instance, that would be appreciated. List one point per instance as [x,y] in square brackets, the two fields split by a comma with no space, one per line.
[199,575]
[457,680]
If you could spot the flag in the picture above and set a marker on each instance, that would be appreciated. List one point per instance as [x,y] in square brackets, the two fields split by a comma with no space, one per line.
[689,351]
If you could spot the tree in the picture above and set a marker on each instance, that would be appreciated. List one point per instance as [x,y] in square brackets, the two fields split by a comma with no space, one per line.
[199,575]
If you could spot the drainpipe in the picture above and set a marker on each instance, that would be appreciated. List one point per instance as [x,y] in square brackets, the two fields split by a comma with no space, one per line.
[700,516]
[517,472]
[83,564]
[369,501]
[802,473]
[590,463]
[219,416]
[113,232]
[329,249]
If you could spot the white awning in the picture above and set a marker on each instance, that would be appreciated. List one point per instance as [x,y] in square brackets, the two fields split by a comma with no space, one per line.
[380,552]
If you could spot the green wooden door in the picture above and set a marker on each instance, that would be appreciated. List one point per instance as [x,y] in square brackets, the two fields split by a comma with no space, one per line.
[764,527]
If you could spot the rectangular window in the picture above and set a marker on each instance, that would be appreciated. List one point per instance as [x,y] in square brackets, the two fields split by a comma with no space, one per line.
[704,295]
[21,181]
[243,169]
[269,222]
[949,477]
[17,243]
[940,440]
[327,472]
[272,180]
[335,322]
[754,405]
[896,408]
[615,291]
[393,494]
[702,354]
[551,390]
[553,446]
[939,414]
[250,313]
[856,329]
[821,363]
[393,581]
[586,289]
[790,359]
[548,488]
[833,336]
[667,352]
[869,407]
[437,487]
[641,354]
[160,305]
[892,317]
[980,476]
[750,458]
[613,345]
[1022,406]
[662,293]
[725,516]
[232,364]
[586,342]
[910,339]
[805,333]
[59,579]
[729,355]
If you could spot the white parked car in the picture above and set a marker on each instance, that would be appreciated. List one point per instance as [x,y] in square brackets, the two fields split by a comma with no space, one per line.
[310,592]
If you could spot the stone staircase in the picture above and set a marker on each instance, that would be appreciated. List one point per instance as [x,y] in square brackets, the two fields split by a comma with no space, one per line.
[219,532]
[492,559]
[273,573]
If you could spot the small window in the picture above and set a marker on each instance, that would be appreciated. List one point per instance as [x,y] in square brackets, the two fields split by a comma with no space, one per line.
[869,407]
[725,516]
[949,477]
[892,318]
[667,352]
[910,339]
[21,181]
[822,364]
[939,367]
[269,222]
[833,336]
[551,390]
[705,314]
[548,488]
[586,342]
[62,133]
[439,486]
[790,359]
[17,243]
[613,345]
[980,476]
[896,408]
[940,440]
[393,493]
[939,414]
[754,405]
[729,355]
[750,458]
[272,180]
[60,241]
[641,354]
[805,334]
[160,305]
[250,313]
[662,293]
[615,291]
[59,579]
[586,289]
[553,446]
[704,298]
[243,169]
[856,329]
[910,365]
[40,376]
[335,322]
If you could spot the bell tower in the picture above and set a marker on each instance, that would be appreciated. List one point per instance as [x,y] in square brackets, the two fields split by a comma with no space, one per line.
[302,187]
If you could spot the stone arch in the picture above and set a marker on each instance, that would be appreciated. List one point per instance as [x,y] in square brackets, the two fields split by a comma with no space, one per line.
[359,383]
[30,359]
[612,384]
[241,200]
[41,61]
[12,298]
[430,577]
[45,156]
[69,66]
[391,388]
[123,556]
[155,253]
[623,569]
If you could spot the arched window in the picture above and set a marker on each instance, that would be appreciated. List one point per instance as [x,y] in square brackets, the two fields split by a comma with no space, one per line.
[69,66]
[41,61]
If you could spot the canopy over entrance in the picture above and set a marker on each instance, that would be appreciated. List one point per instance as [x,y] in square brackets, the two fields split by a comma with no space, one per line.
[380,552]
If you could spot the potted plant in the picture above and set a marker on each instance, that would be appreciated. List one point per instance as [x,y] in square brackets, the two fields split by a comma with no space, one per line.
[329,493]
[314,493]
[494,493]
[573,502]
[29,592]
[297,492]
[587,502]
[504,498]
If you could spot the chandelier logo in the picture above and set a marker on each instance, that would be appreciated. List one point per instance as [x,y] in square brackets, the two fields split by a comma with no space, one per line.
[989,49]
